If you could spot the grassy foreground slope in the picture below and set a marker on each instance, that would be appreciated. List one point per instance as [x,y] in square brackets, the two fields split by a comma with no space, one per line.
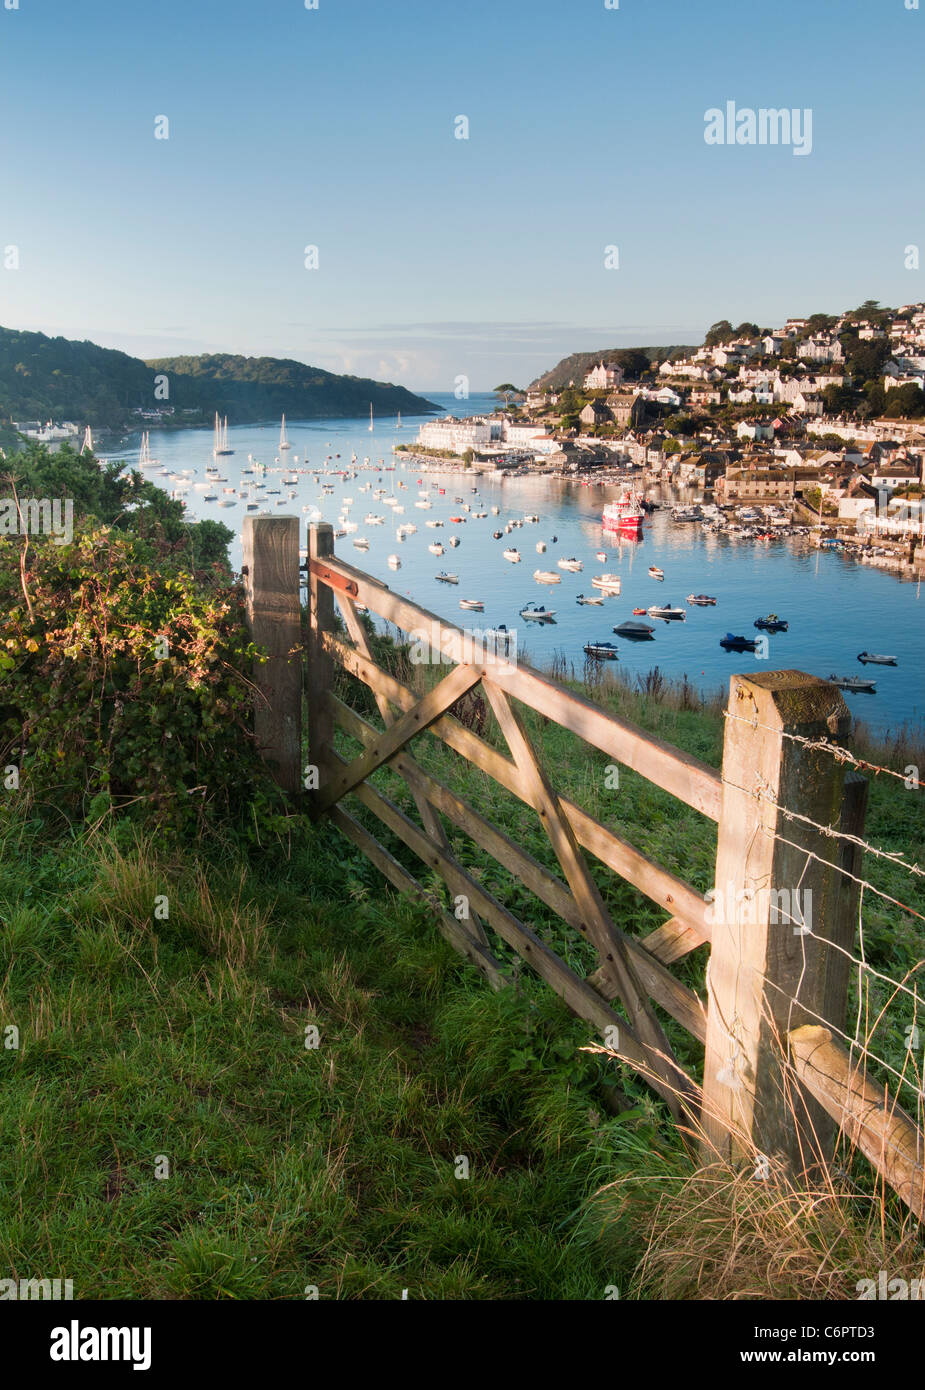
[172,934]
[184,1040]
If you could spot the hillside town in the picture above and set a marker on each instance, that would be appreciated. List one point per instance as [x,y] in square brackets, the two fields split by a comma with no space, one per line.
[823,418]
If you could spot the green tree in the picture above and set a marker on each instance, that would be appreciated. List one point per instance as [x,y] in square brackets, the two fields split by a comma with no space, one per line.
[719,332]
[905,403]
[506,389]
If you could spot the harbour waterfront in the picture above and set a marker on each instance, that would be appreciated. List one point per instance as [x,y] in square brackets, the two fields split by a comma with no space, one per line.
[835,608]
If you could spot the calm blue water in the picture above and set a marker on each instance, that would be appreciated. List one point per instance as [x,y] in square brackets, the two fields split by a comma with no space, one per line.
[835,607]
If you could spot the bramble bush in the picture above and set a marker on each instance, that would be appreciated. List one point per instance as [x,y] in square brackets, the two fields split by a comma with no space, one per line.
[124,686]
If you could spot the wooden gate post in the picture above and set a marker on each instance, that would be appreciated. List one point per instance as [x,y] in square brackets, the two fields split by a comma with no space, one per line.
[774,908]
[271,586]
[320,664]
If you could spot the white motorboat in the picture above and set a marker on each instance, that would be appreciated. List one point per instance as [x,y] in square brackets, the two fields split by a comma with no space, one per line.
[610,583]
[854,683]
[513,556]
[547,577]
[537,613]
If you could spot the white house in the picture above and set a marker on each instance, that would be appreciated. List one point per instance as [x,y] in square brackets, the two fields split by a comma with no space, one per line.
[755,429]
[605,376]
[807,403]
[459,435]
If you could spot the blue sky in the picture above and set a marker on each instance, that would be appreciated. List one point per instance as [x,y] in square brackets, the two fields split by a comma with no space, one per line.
[441,257]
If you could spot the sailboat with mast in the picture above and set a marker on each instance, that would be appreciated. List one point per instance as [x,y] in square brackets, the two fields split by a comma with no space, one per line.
[283,437]
[398,421]
[221,437]
[87,446]
[144,457]
[370,417]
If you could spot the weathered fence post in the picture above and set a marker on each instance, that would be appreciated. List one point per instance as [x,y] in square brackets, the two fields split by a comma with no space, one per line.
[775,907]
[320,664]
[271,579]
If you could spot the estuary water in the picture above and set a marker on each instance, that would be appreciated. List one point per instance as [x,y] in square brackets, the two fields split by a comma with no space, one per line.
[835,606]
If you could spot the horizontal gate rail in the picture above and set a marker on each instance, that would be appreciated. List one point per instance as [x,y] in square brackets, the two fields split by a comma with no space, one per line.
[657,883]
[684,776]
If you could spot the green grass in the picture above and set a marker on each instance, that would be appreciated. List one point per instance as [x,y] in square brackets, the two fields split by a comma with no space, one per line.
[335,1167]
[146,1038]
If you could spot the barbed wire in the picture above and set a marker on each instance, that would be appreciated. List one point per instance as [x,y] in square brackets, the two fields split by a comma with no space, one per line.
[824,745]
[763,791]
[864,969]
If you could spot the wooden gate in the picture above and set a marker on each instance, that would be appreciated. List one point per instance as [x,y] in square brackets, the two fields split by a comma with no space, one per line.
[768,989]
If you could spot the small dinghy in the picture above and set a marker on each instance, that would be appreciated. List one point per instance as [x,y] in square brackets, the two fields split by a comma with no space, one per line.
[513,556]
[854,683]
[772,623]
[590,598]
[601,651]
[667,612]
[702,600]
[636,632]
[475,604]
[540,547]
[447,578]
[394,562]
[732,643]
[547,577]
[610,583]
[570,564]
[537,613]
[877,660]
[436,548]
[656,573]
[640,612]
[601,556]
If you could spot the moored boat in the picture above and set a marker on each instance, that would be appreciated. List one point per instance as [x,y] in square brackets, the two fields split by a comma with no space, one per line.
[476,604]
[447,578]
[853,683]
[733,643]
[538,613]
[590,598]
[656,573]
[547,577]
[772,623]
[512,555]
[876,659]
[603,651]
[702,600]
[610,583]
[626,514]
[636,632]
